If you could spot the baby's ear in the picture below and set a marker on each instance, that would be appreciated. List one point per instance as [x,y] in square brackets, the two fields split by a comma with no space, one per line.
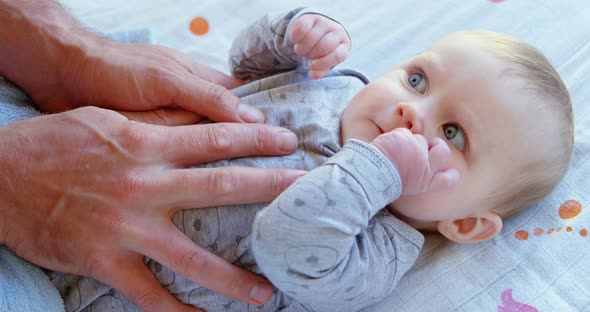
[472,229]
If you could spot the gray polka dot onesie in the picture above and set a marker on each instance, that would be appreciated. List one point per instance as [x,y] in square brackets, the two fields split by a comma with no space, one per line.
[325,243]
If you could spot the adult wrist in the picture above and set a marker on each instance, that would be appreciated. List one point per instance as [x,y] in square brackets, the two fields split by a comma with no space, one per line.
[38,38]
[7,153]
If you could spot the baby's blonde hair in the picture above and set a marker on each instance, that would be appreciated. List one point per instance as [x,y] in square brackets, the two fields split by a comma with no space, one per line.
[539,177]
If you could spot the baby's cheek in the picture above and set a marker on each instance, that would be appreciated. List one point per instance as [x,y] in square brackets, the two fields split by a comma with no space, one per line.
[438,206]
[457,161]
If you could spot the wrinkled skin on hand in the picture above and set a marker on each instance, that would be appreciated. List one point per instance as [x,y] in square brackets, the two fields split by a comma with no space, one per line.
[90,192]
[143,77]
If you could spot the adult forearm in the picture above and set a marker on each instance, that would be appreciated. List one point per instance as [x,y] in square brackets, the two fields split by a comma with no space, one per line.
[38,38]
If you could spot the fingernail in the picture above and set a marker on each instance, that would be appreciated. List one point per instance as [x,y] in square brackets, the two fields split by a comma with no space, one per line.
[250,114]
[262,292]
[287,141]
[299,173]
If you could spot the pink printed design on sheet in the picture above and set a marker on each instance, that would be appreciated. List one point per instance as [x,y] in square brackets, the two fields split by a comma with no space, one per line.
[509,305]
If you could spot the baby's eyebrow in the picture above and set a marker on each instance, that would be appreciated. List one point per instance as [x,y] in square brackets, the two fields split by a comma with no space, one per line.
[431,60]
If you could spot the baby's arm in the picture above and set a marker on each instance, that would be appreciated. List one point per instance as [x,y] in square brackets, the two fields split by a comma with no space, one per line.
[266,47]
[323,242]
[319,241]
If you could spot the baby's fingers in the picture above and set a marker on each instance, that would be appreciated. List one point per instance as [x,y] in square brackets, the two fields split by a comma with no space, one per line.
[439,154]
[321,39]
[328,43]
[302,26]
[306,44]
[332,59]
[317,74]
[443,180]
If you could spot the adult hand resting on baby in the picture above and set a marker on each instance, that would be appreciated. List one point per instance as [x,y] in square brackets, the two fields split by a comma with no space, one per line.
[85,69]
[422,166]
[91,192]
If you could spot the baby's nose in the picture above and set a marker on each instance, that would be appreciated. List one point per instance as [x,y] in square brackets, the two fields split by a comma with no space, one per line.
[409,117]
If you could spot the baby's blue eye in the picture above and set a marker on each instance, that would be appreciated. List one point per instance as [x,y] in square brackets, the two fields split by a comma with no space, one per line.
[455,135]
[417,81]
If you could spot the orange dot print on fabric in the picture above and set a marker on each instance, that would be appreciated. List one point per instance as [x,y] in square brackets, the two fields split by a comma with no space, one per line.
[199,26]
[521,235]
[570,209]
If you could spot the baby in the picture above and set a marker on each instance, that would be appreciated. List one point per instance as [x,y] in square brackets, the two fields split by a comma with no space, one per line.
[455,140]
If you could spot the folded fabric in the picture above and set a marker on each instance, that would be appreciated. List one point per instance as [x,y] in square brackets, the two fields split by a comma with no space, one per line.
[24,287]
[15,105]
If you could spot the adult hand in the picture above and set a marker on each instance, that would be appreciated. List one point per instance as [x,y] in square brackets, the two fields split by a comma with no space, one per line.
[90,192]
[141,77]
[63,66]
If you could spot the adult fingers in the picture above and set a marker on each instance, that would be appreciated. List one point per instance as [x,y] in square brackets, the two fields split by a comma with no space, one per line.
[205,187]
[174,250]
[213,75]
[213,101]
[194,144]
[202,71]
[138,284]
[164,117]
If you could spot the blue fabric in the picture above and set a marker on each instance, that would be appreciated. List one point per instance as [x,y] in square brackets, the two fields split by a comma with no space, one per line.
[24,287]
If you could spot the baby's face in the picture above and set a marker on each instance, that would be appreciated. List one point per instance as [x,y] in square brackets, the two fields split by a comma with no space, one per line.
[460,92]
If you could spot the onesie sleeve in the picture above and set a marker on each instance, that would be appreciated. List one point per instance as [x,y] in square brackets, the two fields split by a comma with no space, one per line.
[326,242]
[264,48]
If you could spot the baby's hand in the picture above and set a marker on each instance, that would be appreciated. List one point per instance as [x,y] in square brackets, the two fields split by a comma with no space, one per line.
[323,41]
[423,166]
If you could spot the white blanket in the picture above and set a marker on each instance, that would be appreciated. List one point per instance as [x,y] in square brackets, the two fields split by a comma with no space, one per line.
[540,260]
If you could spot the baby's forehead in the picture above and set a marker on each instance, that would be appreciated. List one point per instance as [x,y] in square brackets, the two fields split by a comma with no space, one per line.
[516,131]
